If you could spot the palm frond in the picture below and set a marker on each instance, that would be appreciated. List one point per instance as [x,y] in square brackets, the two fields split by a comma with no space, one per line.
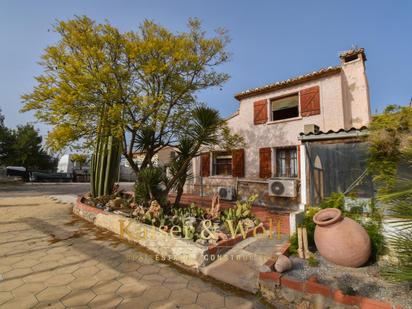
[206,122]
[144,138]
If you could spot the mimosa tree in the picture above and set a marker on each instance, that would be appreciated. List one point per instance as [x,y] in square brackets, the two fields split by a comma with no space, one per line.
[143,83]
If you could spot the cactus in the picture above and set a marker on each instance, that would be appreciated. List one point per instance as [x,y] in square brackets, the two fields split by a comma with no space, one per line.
[241,211]
[105,165]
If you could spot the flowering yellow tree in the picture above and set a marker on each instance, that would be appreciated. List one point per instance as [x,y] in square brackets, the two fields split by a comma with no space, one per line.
[143,82]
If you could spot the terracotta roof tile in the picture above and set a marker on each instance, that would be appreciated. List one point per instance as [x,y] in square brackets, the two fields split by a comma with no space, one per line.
[353,51]
[289,82]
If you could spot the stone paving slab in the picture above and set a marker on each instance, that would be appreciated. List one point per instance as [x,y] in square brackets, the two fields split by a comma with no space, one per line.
[240,266]
[51,259]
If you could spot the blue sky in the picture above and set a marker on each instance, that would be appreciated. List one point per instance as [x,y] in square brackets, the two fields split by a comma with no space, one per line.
[271,41]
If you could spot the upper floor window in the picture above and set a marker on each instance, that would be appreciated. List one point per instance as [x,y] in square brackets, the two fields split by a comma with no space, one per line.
[286,162]
[222,163]
[286,107]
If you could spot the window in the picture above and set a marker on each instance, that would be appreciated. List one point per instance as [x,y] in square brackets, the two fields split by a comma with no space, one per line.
[286,107]
[222,163]
[286,162]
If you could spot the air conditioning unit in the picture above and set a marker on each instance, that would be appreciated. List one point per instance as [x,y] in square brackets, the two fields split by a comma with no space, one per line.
[283,187]
[226,193]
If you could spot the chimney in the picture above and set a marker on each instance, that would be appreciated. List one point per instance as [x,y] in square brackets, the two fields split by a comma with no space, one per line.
[353,54]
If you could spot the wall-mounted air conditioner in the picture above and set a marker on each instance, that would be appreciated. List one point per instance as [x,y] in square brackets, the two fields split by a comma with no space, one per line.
[283,187]
[226,193]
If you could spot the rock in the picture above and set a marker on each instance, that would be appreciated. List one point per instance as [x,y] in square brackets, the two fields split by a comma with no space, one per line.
[283,263]
[201,241]
[303,305]
[248,223]
[117,202]
[289,295]
[155,209]
[138,212]
[222,236]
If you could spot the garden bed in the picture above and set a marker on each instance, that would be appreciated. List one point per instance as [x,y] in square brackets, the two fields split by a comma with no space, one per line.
[163,242]
[363,281]
[329,284]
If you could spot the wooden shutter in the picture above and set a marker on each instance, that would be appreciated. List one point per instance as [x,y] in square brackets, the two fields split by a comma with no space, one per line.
[260,112]
[238,163]
[310,101]
[265,163]
[205,164]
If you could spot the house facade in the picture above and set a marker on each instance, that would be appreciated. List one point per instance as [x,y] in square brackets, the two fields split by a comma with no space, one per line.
[273,161]
[161,159]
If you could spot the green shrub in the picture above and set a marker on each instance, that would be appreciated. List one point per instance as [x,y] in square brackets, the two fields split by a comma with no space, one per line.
[335,200]
[312,261]
[377,240]
[310,225]
[150,186]
[373,224]
[293,247]
[310,230]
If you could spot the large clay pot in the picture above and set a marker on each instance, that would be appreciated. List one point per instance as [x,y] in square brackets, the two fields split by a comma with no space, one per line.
[341,240]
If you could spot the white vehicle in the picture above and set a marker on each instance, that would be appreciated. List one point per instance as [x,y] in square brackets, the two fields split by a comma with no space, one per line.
[67,165]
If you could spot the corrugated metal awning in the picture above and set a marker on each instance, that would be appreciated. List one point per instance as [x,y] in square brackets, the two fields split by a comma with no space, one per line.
[329,135]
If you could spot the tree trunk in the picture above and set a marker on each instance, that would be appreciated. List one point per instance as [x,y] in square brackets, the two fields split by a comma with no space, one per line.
[179,193]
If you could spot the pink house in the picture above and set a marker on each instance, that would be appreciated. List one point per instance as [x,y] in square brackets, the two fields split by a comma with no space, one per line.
[271,118]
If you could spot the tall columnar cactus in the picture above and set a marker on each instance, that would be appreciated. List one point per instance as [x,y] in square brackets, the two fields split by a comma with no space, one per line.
[105,165]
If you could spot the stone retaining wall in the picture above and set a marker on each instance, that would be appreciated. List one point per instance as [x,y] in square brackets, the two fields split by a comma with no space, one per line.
[177,249]
[247,188]
[305,294]
[171,247]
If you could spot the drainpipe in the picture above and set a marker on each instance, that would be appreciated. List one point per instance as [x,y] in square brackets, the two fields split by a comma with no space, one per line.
[303,184]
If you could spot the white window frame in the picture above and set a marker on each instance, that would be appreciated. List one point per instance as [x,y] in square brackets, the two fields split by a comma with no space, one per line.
[280,97]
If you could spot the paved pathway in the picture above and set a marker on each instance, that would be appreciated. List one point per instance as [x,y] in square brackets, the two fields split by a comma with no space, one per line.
[243,263]
[51,259]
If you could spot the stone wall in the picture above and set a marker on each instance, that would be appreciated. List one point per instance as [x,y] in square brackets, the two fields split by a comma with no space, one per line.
[209,185]
[282,289]
[247,188]
[244,188]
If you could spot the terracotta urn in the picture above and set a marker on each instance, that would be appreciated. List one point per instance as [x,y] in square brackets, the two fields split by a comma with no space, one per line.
[341,240]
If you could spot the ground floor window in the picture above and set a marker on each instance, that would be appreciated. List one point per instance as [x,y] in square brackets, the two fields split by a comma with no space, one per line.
[222,163]
[286,162]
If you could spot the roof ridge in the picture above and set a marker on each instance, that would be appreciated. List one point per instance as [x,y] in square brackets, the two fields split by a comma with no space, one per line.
[288,82]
